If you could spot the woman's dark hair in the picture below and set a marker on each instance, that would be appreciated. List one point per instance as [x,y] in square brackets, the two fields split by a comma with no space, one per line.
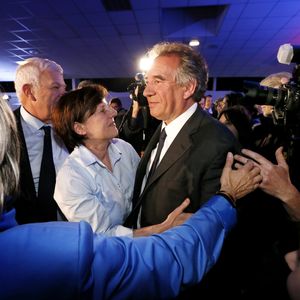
[76,106]
[238,116]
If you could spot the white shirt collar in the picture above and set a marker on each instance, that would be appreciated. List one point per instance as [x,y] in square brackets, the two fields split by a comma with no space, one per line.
[32,121]
[88,158]
[175,126]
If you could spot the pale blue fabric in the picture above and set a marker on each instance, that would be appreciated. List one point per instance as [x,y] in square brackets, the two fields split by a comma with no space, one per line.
[64,260]
[86,190]
[34,138]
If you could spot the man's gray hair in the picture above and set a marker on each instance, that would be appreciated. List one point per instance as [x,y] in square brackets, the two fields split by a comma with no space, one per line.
[192,64]
[275,80]
[30,70]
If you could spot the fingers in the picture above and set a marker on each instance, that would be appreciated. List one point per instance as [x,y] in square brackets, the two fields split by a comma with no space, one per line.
[179,209]
[228,165]
[229,160]
[244,163]
[280,158]
[242,160]
[257,180]
[255,156]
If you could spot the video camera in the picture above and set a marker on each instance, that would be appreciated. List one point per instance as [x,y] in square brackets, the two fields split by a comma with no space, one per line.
[136,90]
[285,100]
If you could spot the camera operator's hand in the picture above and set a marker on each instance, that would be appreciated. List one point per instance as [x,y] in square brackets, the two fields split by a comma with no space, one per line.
[275,179]
[135,109]
[238,183]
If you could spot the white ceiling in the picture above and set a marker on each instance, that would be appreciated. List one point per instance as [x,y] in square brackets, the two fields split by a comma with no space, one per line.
[240,39]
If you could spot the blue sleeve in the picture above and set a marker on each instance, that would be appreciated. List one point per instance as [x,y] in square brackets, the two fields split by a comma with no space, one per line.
[157,267]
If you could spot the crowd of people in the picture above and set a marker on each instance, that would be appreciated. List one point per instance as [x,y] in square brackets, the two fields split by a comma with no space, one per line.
[165,219]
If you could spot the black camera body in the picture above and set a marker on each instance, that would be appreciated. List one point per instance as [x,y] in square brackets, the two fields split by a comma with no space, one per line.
[136,90]
[286,99]
[286,103]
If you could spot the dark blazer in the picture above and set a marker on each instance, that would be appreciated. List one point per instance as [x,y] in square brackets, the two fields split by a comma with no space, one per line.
[190,168]
[26,203]
[28,209]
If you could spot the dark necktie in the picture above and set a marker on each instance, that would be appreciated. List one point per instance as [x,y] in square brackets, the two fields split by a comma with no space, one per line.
[161,142]
[131,221]
[47,205]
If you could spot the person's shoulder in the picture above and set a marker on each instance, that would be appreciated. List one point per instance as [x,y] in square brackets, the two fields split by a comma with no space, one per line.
[53,244]
[122,145]
[122,110]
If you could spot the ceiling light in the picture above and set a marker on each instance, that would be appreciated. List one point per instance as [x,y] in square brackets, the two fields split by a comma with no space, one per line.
[145,63]
[194,43]
[6,97]
[20,62]
[33,51]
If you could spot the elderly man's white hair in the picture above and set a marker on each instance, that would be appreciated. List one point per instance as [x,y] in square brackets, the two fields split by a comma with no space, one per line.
[276,80]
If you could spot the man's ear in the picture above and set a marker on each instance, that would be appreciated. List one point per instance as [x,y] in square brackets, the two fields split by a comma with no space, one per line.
[27,90]
[79,128]
[190,88]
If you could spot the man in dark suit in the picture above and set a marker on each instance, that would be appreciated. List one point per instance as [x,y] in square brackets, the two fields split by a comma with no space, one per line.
[39,84]
[195,147]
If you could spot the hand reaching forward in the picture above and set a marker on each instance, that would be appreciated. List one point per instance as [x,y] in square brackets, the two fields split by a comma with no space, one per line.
[240,182]
[275,179]
[176,217]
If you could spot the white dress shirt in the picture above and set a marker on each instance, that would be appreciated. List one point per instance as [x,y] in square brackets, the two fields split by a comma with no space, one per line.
[172,130]
[34,138]
[87,190]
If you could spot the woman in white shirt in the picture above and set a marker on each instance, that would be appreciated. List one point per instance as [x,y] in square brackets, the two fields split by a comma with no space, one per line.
[95,183]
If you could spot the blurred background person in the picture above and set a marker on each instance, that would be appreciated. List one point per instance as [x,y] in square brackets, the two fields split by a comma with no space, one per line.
[208,106]
[138,126]
[269,135]
[237,120]
[39,84]
[85,83]
[202,102]
[219,106]
[116,104]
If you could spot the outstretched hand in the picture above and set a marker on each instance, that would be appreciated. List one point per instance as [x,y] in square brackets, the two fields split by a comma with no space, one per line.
[176,217]
[242,181]
[275,179]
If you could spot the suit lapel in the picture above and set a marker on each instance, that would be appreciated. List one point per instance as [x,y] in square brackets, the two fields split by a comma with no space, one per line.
[180,145]
[26,179]
[141,170]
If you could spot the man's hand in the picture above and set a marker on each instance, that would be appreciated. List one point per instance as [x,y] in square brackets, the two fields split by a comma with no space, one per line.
[240,182]
[275,179]
[176,217]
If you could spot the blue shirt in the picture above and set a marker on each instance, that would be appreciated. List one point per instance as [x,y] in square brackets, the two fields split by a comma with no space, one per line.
[64,260]
[86,190]
[34,138]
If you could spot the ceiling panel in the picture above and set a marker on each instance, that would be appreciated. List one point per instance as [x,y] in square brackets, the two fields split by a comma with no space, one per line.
[90,42]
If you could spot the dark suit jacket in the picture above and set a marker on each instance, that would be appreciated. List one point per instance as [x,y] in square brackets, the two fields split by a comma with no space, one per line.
[26,203]
[190,168]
